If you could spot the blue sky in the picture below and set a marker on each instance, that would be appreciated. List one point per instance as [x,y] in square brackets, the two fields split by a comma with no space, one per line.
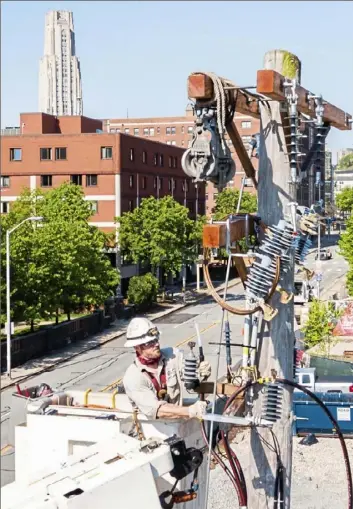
[137,55]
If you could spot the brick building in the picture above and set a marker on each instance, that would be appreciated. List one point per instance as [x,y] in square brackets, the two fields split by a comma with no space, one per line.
[115,170]
[177,131]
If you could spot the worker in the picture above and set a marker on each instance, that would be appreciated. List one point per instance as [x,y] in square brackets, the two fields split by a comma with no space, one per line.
[152,382]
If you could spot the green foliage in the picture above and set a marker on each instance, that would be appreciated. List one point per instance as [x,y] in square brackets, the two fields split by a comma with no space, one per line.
[345,162]
[321,322]
[161,233]
[143,290]
[227,202]
[346,248]
[60,263]
[344,199]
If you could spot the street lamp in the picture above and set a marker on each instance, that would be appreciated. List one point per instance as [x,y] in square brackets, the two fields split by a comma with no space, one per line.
[8,314]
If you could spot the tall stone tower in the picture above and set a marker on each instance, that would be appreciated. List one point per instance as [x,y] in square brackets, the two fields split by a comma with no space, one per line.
[60,87]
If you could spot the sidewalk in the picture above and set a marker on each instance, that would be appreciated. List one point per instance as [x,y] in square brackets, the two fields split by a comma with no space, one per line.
[117,329]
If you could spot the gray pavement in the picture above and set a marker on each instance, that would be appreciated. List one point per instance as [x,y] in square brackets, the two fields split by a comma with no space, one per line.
[102,368]
[98,369]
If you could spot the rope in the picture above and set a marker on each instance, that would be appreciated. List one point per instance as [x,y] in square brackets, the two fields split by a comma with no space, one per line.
[221,102]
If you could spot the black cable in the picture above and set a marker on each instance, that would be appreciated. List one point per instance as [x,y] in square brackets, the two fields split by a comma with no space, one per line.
[284,381]
[233,476]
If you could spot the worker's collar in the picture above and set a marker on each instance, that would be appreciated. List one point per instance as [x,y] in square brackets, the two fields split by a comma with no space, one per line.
[142,364]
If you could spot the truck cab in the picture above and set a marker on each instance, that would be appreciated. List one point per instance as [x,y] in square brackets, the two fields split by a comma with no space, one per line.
[307,377]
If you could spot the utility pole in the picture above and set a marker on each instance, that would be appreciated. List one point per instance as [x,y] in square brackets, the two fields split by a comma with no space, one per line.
[275,192]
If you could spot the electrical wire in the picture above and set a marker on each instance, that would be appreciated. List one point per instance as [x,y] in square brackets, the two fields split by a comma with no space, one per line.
[284,381]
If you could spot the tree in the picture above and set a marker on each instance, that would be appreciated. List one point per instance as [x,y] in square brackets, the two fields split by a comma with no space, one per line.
[345,162]
[28,276]
[59,264]
[143,290]
[160,233]
[344,199]
[321,323]
[227,202]
[346,248]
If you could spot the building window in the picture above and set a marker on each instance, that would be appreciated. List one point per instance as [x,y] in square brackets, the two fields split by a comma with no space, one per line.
[246,141]
[155,180]
[132,154]
[131,181]
[106,152]
[174,184]
[161,160]
[144,182]
[169,184]
[169,142]
[91,180]
[4,181]
[145,131]
[167,130]
[187,186]
[190,129]
[15,154]
[144,157]
[182,129]
[127,130]
[172,130]
[112,130]
[160,183]
[175,162]
[45,154]
[155,159]
[151,131]
[5,207]
[131,205]
[136,131]
[94,207]
[46,180]
[76,179]
[170,162]
[206,197]
[60,153]
[158,130]
[182,143]
[246,124]
[173,143]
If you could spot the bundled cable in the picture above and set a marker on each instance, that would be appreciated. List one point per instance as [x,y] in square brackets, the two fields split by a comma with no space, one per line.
[280,482]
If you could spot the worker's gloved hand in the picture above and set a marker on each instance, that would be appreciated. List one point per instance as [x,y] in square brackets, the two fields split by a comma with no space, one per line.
[204,370]
[197,410]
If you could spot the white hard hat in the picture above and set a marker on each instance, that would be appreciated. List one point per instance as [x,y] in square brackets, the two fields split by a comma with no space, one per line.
[140,331]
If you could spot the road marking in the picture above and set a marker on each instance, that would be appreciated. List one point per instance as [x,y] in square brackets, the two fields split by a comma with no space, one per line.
[112,385]
[107,363]
[194,335]
[117,382]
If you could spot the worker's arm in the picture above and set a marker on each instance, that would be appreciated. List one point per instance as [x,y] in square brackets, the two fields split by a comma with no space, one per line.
[141,393]
[169,411]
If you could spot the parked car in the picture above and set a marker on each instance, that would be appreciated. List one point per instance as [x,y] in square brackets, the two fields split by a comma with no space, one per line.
[325,254]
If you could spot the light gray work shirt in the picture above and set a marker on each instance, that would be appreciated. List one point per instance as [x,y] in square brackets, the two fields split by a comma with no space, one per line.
[140,389]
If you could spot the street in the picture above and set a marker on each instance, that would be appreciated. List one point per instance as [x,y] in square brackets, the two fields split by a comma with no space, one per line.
[102,368]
